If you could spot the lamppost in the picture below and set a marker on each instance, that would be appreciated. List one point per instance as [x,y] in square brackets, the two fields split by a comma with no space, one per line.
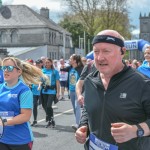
[82,43]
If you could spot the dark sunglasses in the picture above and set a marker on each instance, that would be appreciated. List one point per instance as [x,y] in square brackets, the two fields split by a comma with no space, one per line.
[9,68]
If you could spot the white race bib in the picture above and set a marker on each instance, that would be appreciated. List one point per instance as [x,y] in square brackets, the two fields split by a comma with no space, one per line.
[97,144]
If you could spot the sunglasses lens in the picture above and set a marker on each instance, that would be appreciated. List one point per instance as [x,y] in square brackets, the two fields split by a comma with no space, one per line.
[9,68]
[3,68]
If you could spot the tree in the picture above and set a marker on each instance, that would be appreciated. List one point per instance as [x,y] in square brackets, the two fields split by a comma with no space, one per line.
[71,24]
[86,11]
[114,15]
[76,28]
[96,15]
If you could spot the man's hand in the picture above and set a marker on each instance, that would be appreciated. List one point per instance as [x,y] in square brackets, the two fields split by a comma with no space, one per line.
[123,132]
[81,134]
[81,100]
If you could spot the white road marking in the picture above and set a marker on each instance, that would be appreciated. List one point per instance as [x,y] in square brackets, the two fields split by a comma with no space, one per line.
[57,115]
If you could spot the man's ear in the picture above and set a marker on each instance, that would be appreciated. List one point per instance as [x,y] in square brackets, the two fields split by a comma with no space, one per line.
[123,49]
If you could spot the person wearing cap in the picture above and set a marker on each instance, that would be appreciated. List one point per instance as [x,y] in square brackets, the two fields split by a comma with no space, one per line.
[30,61]
[116,112]
[145,67]
[39,63]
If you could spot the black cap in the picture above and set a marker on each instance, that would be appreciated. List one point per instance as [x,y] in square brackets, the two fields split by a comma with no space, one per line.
[39,61]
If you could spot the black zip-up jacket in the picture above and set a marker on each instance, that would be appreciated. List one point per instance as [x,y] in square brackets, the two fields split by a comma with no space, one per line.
[127,99]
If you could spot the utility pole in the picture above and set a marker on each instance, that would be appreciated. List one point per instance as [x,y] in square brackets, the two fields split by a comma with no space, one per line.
[79,41]
[88,45]
[84,43]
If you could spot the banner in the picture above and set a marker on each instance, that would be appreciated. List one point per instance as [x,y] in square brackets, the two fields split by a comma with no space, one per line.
[130,45]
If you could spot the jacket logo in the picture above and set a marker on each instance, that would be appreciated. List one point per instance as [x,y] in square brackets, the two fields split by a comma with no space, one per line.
[123,95]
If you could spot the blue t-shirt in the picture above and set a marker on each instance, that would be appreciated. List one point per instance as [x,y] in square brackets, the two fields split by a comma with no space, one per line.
[145,68]
[35,90]
[1,76]
[53,76]
[73,78]
[12,99]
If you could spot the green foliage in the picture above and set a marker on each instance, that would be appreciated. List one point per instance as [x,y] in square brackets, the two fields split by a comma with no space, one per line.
[75,28]
[92,16]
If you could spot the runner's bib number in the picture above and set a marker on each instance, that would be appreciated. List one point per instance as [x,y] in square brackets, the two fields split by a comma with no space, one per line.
[97,144]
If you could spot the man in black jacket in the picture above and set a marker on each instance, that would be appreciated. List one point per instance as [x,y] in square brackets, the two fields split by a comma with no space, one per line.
[116,113]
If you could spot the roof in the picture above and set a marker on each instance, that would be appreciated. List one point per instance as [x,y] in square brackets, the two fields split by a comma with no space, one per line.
[24,17]
[15,51]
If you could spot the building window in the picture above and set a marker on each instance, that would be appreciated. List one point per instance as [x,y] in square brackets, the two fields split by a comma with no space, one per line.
[52,55]
[14,36]
[3,37]
[55,55]
[54,38]
[50,37]
[145,22]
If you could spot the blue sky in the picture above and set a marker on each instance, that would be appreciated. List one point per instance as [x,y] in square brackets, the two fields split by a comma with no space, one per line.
[138,7]
[57,7]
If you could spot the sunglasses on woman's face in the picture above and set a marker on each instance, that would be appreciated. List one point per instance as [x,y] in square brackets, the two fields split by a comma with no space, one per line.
[9,68]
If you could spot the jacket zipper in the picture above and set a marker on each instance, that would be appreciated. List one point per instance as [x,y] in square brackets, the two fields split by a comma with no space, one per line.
[102,116]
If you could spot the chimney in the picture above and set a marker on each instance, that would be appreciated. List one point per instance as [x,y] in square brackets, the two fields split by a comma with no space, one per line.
[44,12]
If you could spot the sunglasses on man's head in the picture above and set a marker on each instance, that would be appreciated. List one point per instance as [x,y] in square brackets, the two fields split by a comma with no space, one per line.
[9,68]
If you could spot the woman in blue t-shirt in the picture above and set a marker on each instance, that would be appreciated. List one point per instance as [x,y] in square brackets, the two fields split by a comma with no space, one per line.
[16,102]
[50,91]
[74,74]
[36,99]
[74,71]
[145,67]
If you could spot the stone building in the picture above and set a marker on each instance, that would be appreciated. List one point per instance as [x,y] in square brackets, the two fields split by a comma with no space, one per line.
[144,34]
[144,29]
[28,34]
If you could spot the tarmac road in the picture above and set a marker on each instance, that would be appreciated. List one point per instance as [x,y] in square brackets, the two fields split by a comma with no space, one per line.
[62,136]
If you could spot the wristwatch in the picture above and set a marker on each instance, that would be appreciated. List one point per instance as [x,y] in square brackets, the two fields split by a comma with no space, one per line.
[5,122]
[140,131]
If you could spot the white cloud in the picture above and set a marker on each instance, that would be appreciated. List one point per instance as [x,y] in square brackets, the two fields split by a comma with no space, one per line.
[53,5]
[56,7]
[141,5]
[137,7]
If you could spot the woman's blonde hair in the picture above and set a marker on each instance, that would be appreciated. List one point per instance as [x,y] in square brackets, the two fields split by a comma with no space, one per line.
[30,74]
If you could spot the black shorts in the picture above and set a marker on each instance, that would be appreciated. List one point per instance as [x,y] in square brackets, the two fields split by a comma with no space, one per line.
[63,84]
[16,147]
